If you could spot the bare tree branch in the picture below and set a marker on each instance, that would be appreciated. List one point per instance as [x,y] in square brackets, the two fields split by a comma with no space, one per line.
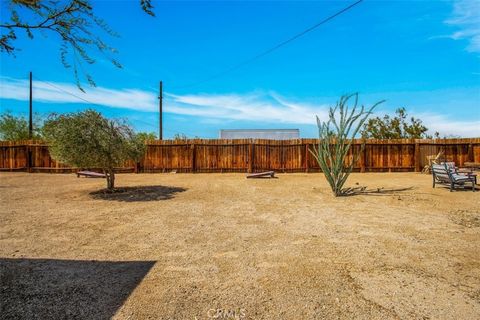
[73,21]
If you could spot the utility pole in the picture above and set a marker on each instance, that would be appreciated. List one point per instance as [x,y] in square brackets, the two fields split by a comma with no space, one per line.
[160,98]
[30,123]
[30,129]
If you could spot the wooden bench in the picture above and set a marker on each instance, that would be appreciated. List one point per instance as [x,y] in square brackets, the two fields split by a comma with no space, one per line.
[472,165]
[266,174]
[90,174]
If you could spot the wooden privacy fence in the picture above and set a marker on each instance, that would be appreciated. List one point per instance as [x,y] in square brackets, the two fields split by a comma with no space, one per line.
[253,155]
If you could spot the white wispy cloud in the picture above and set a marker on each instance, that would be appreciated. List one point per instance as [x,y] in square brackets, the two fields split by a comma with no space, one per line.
[264,107]
[447,126]
[259,107]
[466,17]
[56,92]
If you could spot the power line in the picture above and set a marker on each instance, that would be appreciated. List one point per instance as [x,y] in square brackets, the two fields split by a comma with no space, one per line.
[276,47]
[67,92]
[85,100]
[97,104]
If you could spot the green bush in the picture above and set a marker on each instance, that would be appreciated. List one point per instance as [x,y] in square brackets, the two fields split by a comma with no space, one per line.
[88,140]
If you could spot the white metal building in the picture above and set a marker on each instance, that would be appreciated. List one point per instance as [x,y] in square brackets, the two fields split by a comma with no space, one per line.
[275,134]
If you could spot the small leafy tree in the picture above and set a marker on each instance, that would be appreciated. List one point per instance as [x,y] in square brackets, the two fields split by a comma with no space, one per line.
[336,137]
[87,139]
[146,136]
[180,137]
[397,127]
[14,128]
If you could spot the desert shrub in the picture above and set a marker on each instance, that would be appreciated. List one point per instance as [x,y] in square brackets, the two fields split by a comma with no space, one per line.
[336,137]
[89,140]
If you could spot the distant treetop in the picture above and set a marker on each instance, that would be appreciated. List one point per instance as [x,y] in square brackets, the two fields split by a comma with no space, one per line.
[14,128]
[397,127]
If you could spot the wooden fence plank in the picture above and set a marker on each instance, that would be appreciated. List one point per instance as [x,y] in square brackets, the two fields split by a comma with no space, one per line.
[416,157]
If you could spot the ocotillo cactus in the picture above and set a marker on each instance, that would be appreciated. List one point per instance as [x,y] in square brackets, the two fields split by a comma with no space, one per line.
[336,137]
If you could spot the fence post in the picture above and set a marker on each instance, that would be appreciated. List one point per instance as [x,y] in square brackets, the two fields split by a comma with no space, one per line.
[416,156]
[364,157]
[389,157]
[193,157]
[251,157]
[470,156]
[306,157]
[29,156]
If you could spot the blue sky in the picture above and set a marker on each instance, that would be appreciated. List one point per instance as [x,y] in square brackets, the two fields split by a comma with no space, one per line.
[421,55]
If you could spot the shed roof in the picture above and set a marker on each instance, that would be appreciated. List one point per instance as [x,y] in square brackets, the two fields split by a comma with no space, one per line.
[276,134]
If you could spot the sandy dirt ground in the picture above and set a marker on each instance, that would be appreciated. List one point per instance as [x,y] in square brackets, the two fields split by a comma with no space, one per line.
[219,246]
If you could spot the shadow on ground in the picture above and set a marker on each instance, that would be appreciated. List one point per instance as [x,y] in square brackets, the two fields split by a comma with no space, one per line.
[373,192]
[465,188]
[140,193]
[62,289]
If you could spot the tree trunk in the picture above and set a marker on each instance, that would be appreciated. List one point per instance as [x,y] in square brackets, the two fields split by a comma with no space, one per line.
[137,167]
[110,174]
